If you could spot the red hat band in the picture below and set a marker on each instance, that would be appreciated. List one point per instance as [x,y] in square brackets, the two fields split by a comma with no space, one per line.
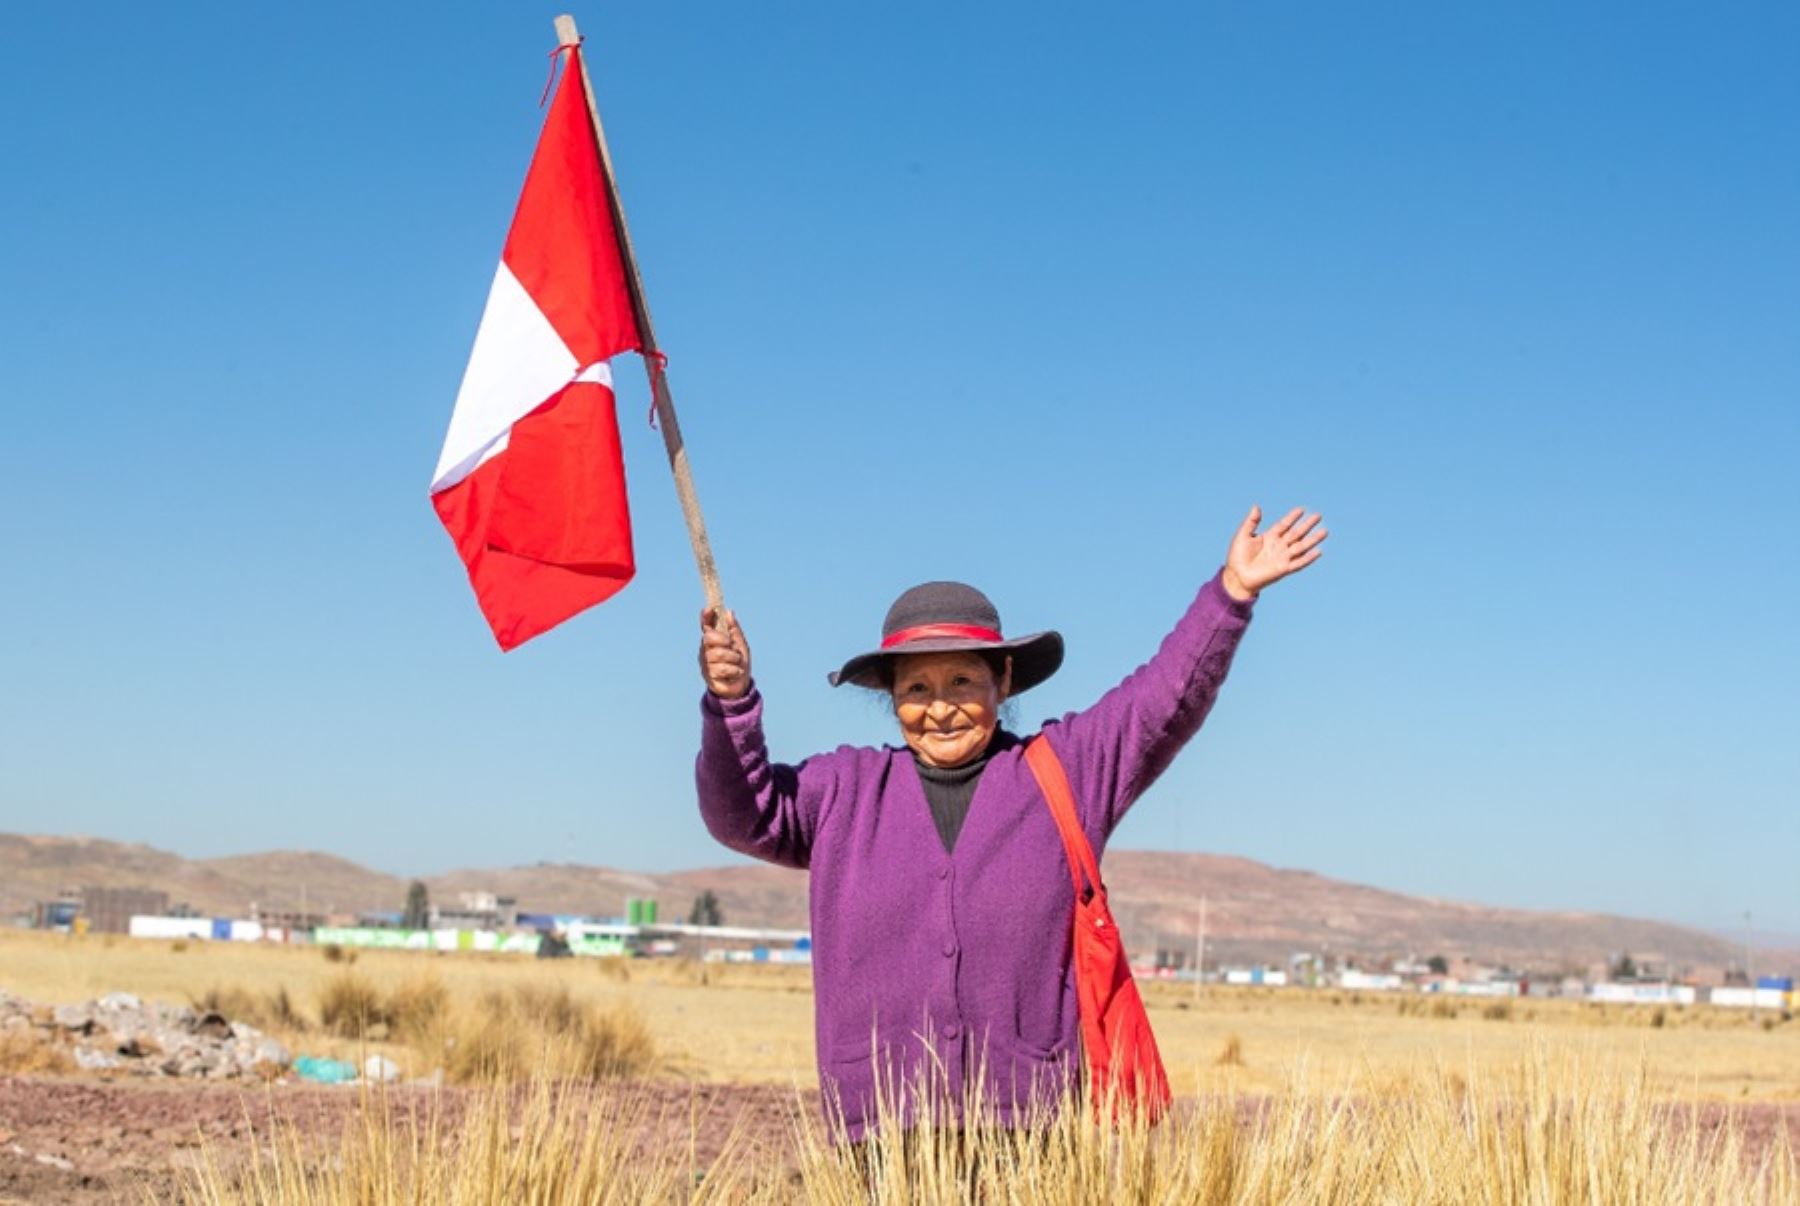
[928,632]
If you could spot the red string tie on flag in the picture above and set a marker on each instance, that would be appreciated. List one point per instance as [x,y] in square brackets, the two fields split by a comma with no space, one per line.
[658,364]
[555,58]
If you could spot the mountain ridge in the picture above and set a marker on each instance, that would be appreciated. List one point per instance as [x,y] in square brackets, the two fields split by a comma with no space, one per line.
[1254,911]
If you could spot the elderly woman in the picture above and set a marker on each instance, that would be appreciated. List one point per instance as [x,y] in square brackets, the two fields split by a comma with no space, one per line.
[941,899]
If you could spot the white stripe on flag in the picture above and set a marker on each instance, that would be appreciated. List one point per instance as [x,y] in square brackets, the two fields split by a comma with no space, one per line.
[597,373]
[518,361]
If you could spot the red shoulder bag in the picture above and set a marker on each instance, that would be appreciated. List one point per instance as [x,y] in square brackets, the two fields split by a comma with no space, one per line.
[1122,1060]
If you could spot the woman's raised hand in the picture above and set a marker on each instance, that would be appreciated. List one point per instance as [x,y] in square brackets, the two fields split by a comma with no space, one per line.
[1256,560]
[724,655]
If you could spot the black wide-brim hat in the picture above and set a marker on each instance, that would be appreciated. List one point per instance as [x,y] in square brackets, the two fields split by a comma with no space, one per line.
[949,617]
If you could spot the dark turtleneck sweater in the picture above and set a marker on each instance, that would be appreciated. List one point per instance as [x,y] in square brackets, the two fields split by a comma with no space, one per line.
[950,790]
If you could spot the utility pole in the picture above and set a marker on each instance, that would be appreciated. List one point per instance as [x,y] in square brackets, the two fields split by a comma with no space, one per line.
[1200,951]
[1749,967]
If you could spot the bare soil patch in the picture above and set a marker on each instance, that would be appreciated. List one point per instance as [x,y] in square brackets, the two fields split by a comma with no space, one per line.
[84,1142]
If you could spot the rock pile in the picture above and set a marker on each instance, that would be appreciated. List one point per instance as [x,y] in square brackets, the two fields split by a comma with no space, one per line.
[120,1033]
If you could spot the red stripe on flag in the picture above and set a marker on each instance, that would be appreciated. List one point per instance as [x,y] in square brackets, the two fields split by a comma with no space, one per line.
[563,246]
[544,527]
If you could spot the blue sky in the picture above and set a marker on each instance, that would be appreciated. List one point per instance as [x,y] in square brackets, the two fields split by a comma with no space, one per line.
[1039,297]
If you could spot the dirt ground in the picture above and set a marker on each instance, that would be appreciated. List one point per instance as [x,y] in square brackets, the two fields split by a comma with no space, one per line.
[89,1141]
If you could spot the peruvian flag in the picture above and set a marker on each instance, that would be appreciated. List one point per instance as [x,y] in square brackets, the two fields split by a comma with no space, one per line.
[531,484]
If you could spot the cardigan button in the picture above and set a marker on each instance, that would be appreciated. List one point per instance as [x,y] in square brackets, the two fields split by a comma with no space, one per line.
[943,872]
[950,1031]
[949,950]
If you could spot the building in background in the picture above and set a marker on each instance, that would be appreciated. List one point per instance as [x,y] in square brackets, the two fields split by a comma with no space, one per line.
[110,910]
[289,921]
[57,914]
[478,911]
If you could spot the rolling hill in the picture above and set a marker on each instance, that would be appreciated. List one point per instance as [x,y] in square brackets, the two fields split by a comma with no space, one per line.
[1254,911]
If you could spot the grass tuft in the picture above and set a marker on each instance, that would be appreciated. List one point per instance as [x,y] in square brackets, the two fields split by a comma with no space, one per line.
[1551,1130]
[505,1034]
[23,1053]
[272,1011]
[351,1007]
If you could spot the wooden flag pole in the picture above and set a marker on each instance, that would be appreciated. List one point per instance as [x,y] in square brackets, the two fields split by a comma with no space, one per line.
[568,35]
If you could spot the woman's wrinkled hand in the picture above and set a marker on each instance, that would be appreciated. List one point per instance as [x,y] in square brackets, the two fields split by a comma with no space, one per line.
[1255,560]
[724,655]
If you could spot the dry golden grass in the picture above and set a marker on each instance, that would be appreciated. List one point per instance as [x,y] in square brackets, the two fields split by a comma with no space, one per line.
[560,1144]
[271,1011]
[1697,1053]
[418,1006]
[23,1053]
[351,1007]
[496,1035]
[1555,1129]
[766,1035]
[509,1033]
[737,1023]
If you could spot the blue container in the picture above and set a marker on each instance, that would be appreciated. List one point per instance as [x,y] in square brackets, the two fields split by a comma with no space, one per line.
[222,929]
[324,1071]
[1779,983]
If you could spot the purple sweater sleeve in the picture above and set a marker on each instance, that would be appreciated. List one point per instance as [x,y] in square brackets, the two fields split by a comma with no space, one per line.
[752,805]
[1115,749]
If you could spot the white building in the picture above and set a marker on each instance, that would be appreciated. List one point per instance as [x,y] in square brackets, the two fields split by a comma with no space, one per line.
[1748,998]
[1655,993]
[1360,981]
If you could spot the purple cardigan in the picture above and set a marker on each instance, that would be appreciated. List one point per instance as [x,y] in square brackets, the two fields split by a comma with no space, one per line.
[929,965]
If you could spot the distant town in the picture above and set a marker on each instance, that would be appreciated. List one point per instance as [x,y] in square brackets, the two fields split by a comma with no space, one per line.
[488,922]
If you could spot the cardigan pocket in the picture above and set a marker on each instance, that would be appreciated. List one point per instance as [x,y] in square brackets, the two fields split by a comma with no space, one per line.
[1025,1048]
[1020,1073]
[857,1053]
[844,1053]
[1039,1018]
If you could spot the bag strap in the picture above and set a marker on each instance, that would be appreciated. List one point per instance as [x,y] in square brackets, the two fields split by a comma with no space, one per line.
[1054,782]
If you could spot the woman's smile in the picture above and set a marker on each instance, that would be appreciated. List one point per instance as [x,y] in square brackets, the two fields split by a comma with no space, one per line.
[948,705]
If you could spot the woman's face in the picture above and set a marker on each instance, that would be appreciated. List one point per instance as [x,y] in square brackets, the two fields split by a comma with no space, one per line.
[948,705]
